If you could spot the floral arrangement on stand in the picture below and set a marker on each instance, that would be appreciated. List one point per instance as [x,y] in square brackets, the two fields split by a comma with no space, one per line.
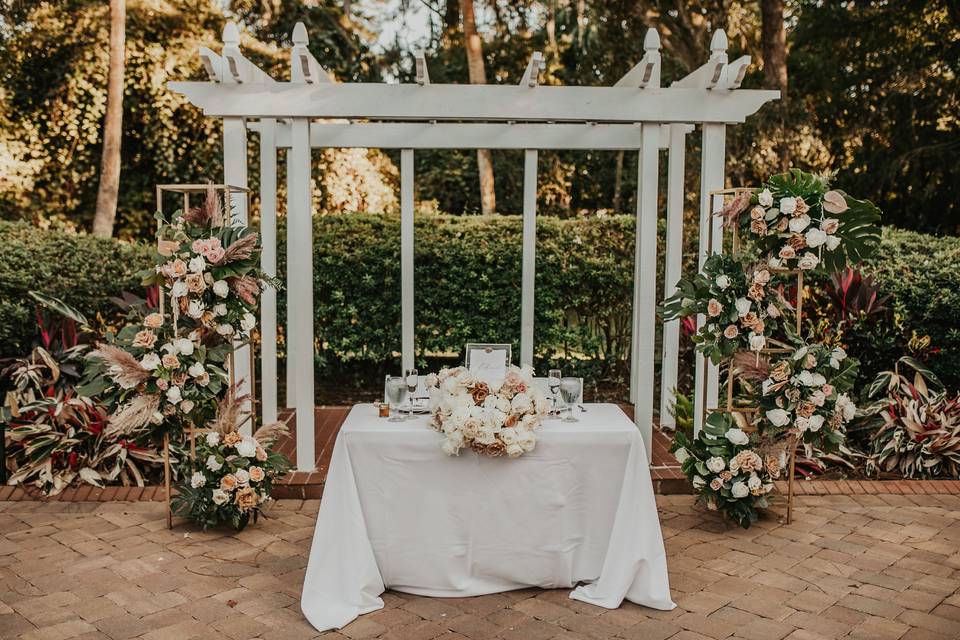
[807,392]
[490,420]
[803,224]
[743,306]
[231,475]
[727,469]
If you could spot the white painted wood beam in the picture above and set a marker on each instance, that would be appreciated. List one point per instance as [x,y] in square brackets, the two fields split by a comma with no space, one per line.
[673,266]
[420,61]
[235,68]
[496,103]
[529,258]
[406,259]
[710,74]
[304,68]
[268,262]
[647,71]
[531,76]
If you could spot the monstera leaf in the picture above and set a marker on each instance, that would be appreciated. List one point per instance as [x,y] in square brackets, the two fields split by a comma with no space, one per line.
[858,232]
[798,183]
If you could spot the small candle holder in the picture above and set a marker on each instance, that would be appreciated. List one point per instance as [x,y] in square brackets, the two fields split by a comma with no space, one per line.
[383,409]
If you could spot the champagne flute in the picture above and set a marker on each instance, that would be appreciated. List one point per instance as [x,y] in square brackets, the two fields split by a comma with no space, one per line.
[411,379]
[553,383]
[570,392]
[396,394]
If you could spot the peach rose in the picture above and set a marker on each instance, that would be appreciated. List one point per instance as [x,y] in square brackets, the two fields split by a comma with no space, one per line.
[827,390]
[153,321]
[195,283]
[787,252]
[805,409]
[781,371]
[257,474]
[145,339]
[714,308]
[261,454]
[716,484]
[510,421]
[170,361]
[246,499]
[802,207]
[762,276]
[214,254]
[758,227]
[232,439]
[731,332]
[756,292]
[830,225]
[757,213]
[749,320]
[178,268]
[228,482]
[797,241]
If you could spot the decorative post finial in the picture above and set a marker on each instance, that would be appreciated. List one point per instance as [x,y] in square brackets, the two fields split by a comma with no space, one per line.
[231,34]
[651,41]
[718,44]
[300,35]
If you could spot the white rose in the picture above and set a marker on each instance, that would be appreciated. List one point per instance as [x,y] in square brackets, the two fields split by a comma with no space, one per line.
[681,455]
[450,448]
[196,369]
[150,361]
[778,417]
[179,289]
[699,483]
[766,385]
[837,356]
[832,243]
[197,480]
[818,398]
[757,341]
[521,403]
[156,418]
[754,481]
[716,464]
[739,490]
[737,436]
[808,261]
[195,309]
[197,264]
[248,322]
[183,346]
[772,311]
[743,306]
[774,262]
[186,406]
[765,198]
[213,464]
[514,450]
[818,380]
[173,395]
[815,422]
[225,330]
[221,288]
[788,205]
[723,281]
[799,223]
[220,496]
[801,423]
[815,237]
[846,407]
[243,476]
[213,439]
[806,379]
[219,309]
[247,447]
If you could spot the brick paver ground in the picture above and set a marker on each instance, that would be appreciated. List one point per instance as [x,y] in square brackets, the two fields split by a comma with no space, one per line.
[874,567]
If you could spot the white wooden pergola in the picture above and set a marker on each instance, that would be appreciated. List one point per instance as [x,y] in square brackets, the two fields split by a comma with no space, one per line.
[312,111]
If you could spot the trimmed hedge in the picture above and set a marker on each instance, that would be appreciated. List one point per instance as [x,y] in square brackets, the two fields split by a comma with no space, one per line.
[82,270]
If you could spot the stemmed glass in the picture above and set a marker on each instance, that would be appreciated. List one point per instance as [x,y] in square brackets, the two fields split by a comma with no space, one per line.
[570,391]
[396,394]
[553,383]
[411,379]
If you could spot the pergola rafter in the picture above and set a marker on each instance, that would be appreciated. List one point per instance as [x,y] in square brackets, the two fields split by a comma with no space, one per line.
[312,110]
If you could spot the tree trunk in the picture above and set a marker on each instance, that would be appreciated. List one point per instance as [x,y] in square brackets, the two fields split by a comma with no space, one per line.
[618,181]
[478,75]
[109,187]
[451,16]
[774,41]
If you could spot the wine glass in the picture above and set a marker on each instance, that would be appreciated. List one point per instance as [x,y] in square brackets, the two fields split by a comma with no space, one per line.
[411,378]
[396,394]
[570,391]
[553,383]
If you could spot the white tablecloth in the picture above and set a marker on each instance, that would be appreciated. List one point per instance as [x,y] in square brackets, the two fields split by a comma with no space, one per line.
[398,513]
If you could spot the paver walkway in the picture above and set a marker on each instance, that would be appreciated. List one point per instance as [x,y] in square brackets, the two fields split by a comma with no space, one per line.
[874,567]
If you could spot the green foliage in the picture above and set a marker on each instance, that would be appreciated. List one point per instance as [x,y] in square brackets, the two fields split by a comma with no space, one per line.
[80,270]
[921,273]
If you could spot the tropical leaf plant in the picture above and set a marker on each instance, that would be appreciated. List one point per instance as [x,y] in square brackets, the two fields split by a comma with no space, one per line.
[916,423]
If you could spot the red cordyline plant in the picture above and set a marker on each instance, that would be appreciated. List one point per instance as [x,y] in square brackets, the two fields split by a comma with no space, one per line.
[917,422]
[855,295]
[53,433]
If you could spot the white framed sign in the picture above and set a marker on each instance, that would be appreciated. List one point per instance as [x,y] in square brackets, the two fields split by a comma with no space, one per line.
[488,362]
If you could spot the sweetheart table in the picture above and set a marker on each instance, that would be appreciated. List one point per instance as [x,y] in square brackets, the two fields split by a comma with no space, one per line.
[398,513]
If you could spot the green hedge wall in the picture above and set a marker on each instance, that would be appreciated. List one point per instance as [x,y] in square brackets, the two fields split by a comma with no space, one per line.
[82,270]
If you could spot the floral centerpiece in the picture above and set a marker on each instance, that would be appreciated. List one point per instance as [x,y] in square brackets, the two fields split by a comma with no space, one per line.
[490,419]
[743,306]
[806,392]
[231,475]
[726,468]
[803,224]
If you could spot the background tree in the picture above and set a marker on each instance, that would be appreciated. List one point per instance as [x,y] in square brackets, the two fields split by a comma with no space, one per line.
[112,125]
[478,75]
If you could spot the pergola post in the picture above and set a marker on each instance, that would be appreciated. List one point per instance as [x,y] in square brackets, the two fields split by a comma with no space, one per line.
[529,274]
[673,267]
[268,262]
[406,259]
[300,271]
